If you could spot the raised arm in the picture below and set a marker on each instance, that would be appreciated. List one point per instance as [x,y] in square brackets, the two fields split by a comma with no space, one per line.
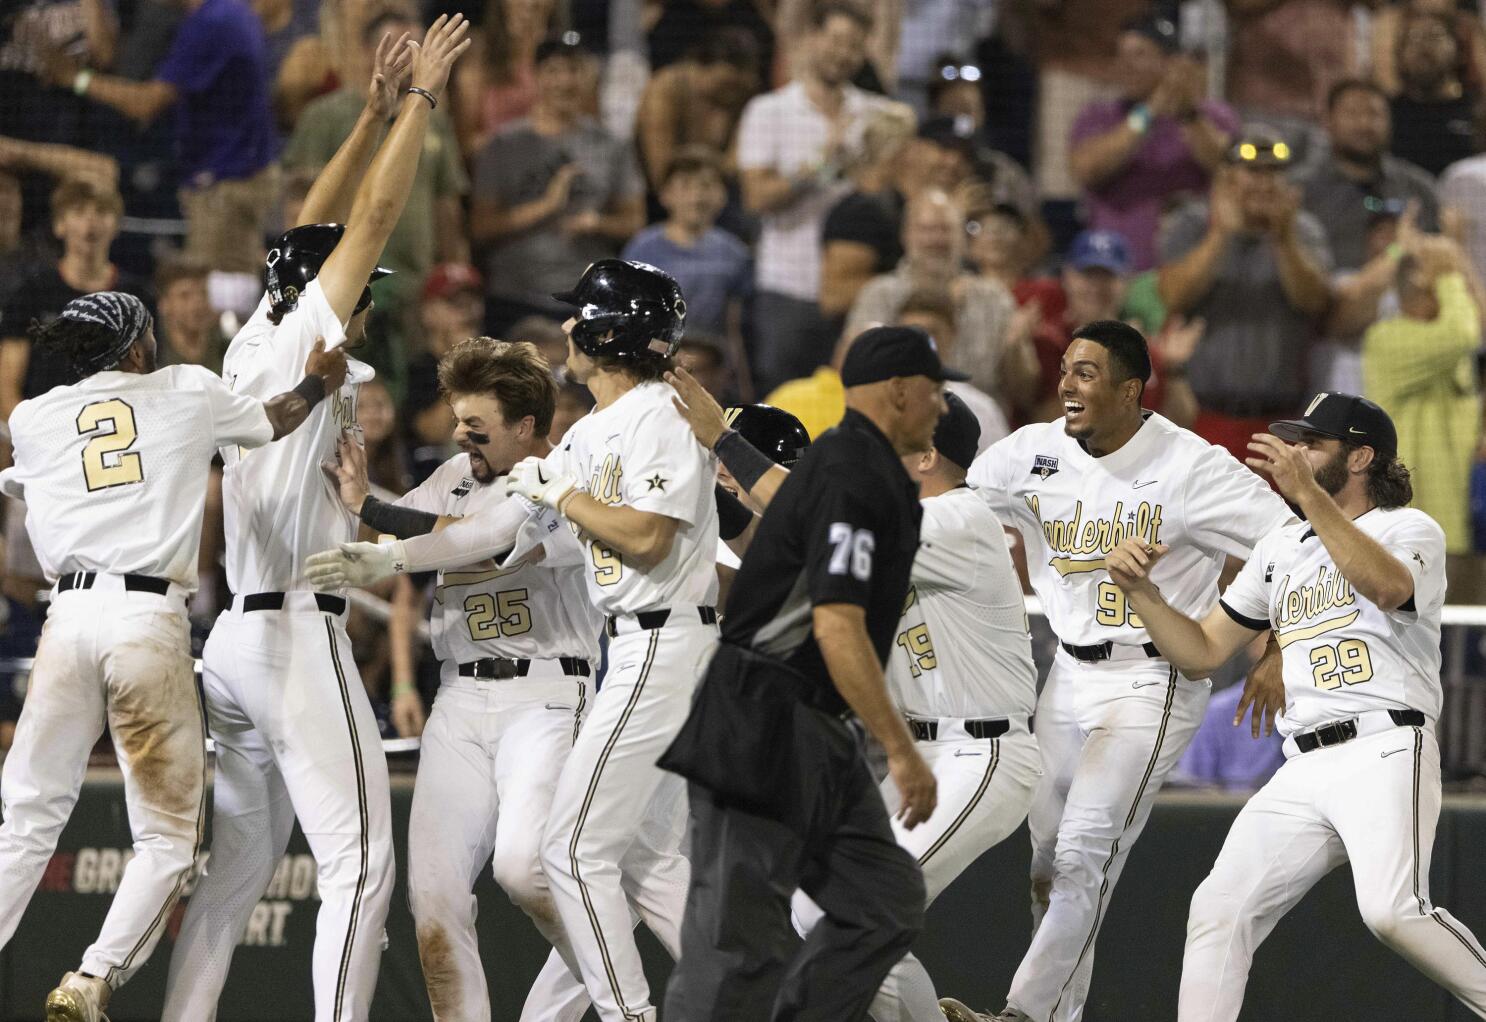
[384,190]
[334,190]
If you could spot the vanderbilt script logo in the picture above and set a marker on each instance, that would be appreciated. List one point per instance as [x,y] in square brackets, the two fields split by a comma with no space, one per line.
[1329,592]
[1072,540]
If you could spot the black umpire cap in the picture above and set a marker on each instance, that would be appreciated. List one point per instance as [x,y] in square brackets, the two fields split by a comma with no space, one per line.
[957,436]
[883,352]
[1346,417]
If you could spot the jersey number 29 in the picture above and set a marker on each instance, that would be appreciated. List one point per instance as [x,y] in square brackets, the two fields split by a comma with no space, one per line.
[107,458]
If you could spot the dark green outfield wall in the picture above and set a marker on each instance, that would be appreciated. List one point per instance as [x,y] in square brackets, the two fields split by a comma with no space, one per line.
[1321,965]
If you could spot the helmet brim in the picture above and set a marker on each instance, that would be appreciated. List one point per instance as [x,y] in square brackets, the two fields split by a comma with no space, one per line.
[567,298]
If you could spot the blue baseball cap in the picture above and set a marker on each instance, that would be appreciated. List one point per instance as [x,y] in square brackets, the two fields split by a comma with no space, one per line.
[1100,250]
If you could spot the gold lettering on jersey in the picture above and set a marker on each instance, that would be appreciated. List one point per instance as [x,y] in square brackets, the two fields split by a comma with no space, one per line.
[1305,601]
[909,600]
[343,410]
[1072,539]
[605,486]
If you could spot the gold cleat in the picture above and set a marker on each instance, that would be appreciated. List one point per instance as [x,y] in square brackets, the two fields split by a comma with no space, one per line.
[78,998]
[957,1011]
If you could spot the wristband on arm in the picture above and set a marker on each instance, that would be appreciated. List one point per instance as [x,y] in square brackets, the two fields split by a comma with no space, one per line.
[312,389]
[402,522]
[743,460]
[732,517]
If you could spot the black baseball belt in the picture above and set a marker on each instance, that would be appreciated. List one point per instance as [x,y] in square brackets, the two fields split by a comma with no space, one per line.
[132,583]
[1103,651]
[1345,730]
[650,620]
[275,601]
[926,729]
[499,668]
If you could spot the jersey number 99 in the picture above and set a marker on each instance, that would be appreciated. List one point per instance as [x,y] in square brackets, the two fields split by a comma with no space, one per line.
[1113,610]
[107,459]
[505,614]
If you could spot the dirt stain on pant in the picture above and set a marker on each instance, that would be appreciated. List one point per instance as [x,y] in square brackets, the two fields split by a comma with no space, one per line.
[155,717]
[440,974]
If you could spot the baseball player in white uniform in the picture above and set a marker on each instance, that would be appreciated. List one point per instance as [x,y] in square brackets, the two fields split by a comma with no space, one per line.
[1114,716]
[1353,594]
[961,670]
[114,469]
[517,648]
[638,492]
[294,730]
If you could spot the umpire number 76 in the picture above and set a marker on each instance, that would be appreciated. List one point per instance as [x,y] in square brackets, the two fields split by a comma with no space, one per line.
[854,546]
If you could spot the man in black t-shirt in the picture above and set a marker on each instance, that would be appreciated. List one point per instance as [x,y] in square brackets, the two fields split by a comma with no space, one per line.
[781,795]
[1434,114]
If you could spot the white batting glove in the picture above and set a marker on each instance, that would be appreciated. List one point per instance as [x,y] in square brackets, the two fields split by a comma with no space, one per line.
[534,479]
[355,564]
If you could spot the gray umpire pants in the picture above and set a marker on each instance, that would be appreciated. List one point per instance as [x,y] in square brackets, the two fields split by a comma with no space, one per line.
[741,960]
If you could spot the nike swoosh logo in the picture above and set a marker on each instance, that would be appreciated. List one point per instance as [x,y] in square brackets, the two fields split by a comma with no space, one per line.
[1354,429]
[1140,485]
[1390,752]
[541,478]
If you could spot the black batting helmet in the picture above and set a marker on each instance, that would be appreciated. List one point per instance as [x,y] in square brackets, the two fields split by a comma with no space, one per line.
[295,260]
[626,309]
[772,431]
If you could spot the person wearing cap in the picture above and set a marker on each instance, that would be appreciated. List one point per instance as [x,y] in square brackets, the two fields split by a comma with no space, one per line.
[113,464]
[1353,594]
[553,193]
[781,793]
[933,253]
[1160,140]
[431,229]
[1420,366]
[1114,716]
[1253,266]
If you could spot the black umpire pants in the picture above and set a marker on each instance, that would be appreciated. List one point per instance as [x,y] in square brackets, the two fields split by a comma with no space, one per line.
[741,960]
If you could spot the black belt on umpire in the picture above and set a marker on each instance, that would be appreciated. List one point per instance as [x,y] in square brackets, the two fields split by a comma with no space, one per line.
[650,620]
[499,668]
[1100,651]
[926,729]
[1345,730]
[132,583]
[275,601]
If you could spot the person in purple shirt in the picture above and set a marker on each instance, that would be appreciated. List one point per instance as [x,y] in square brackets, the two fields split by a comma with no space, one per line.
[216,76]
[1136,155]
[1227,755]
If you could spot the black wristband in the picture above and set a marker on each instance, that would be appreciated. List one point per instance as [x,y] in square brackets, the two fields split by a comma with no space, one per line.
[732,516]
[312,389]
[402,522]
[743,460]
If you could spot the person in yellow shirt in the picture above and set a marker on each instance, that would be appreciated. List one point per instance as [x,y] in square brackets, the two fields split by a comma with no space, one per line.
[817,400]
[1419,365]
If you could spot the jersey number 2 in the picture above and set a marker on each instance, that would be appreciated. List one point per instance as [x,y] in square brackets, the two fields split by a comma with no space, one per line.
[107,459]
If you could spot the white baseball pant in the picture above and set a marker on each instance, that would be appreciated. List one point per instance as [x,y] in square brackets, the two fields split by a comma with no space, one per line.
[295,737]
[491,754]
[1373,801]
[1110,732]
[985,789]
[108,655]
[611,793]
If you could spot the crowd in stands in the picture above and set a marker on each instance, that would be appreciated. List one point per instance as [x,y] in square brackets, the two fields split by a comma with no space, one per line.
[995,172]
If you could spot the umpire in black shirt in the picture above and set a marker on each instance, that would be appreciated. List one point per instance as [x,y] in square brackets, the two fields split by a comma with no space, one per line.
[781,794]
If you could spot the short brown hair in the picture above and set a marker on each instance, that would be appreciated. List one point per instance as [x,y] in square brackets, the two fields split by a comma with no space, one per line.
[175,269]
[79,191]
[694,159]
[512,372]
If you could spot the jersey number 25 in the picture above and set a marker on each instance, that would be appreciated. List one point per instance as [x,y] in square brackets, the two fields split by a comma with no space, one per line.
[107,458]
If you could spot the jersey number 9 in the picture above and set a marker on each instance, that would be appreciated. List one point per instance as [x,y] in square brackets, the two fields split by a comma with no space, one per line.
[107,459]
[607,567]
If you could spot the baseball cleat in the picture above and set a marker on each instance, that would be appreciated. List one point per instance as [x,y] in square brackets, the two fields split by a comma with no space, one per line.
[78,998]
[957,1011]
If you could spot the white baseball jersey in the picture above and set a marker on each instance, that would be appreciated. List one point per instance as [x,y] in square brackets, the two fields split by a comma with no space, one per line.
[963,648]
[279,506]
[1166,484]
[640,452]
[532,611]
[1342,654]
[114,468]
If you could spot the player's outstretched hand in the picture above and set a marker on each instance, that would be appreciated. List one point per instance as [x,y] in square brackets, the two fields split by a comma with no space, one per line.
[353,564]
[390,65]
[1264,691]
[535,480]
[348,474]
[330,366]
[699,408]
[445,40]
[1286,464]
[916,786]
[1131,562]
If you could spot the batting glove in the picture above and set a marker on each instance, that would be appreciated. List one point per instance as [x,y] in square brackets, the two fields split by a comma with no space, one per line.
[535,480]
[355,564]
